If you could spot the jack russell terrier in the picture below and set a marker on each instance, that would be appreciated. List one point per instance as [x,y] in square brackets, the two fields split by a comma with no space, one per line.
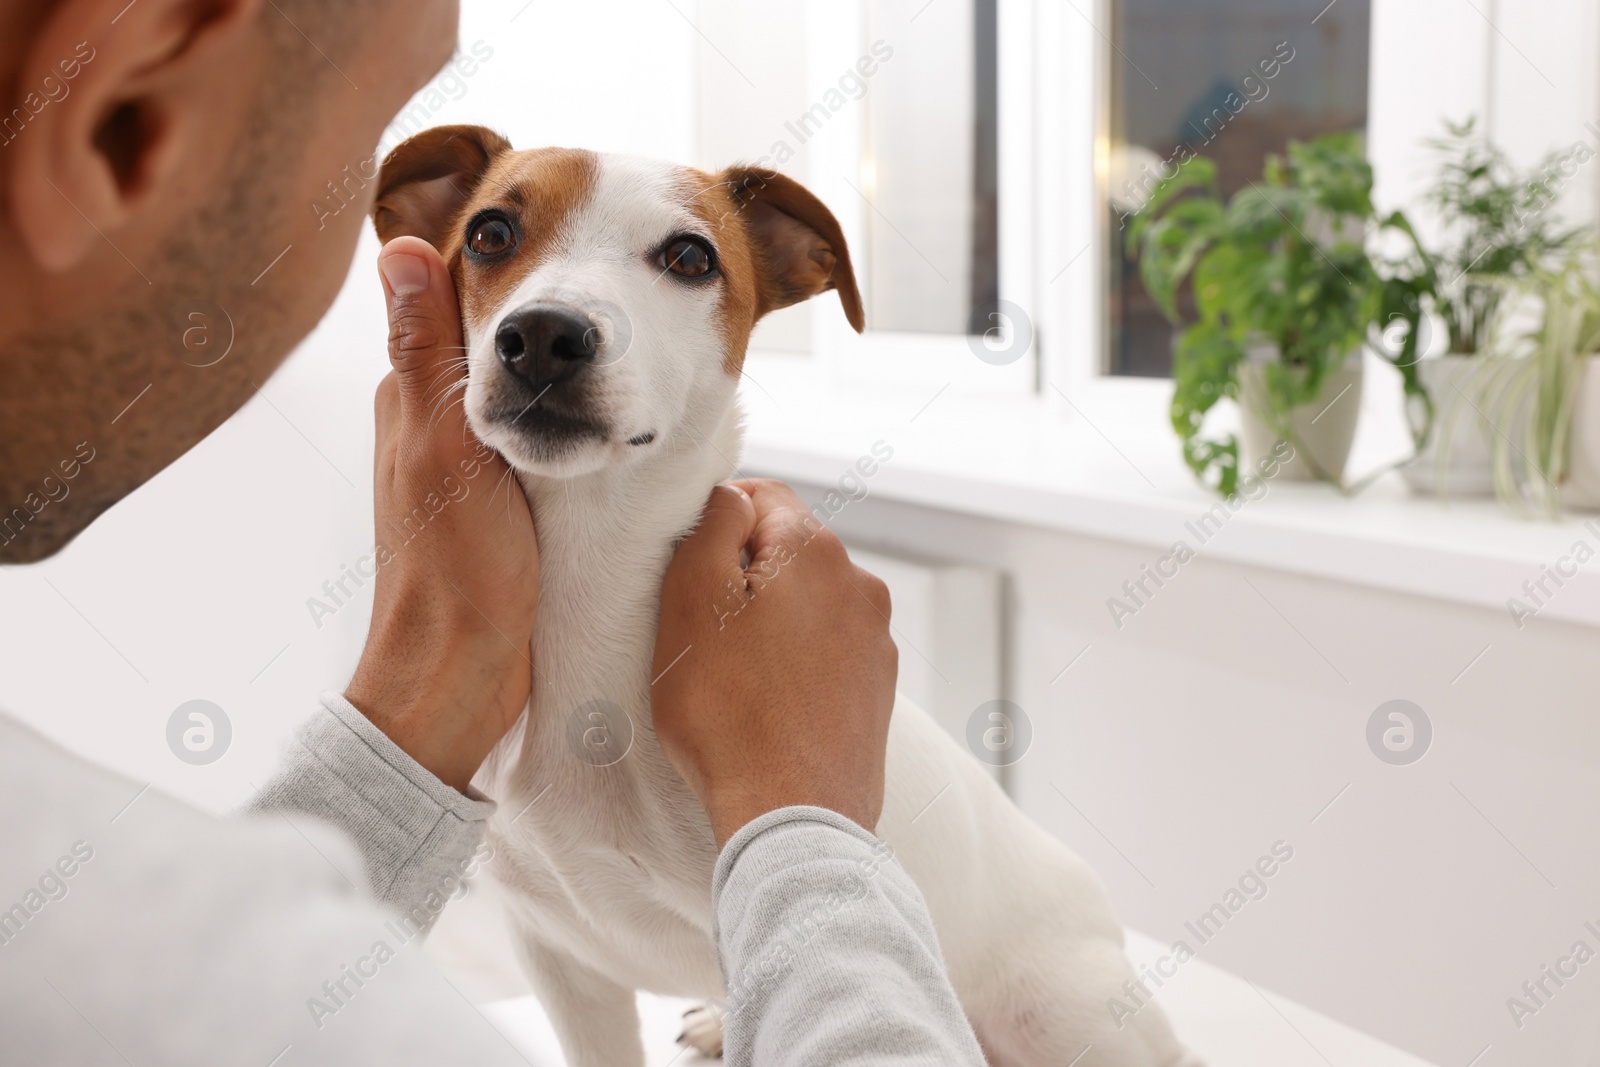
[607,303]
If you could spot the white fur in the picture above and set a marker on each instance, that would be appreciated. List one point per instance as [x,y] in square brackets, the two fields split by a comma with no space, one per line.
[610,867]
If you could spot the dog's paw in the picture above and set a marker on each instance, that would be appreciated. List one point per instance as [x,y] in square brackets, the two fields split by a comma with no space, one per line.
[702,1030]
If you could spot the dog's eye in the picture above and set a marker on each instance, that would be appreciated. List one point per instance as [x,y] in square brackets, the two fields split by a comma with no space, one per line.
[490,235]
[689,256]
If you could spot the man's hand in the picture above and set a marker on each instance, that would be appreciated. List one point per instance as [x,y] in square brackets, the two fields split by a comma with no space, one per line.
[774,681]
[446,671]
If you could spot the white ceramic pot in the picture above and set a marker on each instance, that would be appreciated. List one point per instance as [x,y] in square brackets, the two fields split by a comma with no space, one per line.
[1326,427]
[1581,490]
[1459,434]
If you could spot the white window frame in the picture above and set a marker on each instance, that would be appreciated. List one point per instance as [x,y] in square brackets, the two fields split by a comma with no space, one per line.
[1073,39]
[884,359]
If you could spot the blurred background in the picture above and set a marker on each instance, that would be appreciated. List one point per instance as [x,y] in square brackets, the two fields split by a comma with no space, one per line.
[1385,663]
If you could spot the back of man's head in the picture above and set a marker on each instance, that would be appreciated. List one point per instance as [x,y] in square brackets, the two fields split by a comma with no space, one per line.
[181,187]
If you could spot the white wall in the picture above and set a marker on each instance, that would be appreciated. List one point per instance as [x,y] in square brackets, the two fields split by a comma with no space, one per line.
[1527,70]
[1211,726]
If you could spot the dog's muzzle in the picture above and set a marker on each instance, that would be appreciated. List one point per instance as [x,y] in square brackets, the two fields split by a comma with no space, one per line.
[546,344]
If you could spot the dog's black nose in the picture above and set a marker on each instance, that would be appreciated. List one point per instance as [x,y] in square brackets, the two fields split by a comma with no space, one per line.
[546,343]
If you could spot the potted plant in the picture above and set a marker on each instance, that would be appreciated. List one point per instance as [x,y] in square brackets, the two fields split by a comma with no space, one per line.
[1285,294]
[1495,233]
[1540,391]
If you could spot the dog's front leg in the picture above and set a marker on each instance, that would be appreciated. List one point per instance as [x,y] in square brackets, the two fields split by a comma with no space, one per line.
[596,1020]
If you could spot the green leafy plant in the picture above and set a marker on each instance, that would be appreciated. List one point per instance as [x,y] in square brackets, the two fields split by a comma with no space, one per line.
[1525,387]
[1283,265]
[1496,227]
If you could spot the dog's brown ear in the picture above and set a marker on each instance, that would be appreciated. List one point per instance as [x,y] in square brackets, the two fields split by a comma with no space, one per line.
[427,178]
[798,246]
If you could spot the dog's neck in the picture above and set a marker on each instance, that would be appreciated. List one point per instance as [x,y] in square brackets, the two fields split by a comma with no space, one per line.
[605,540]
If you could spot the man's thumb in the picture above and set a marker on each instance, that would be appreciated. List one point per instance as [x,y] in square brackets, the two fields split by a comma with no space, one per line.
[424,321]
[711,552]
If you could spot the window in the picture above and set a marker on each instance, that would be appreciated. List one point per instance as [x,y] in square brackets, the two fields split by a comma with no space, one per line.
[928,167]
[1233,80]
[981,156]
[890,111]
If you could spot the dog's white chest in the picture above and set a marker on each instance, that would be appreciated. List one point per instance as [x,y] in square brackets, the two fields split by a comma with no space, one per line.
[610,867]
[607,852]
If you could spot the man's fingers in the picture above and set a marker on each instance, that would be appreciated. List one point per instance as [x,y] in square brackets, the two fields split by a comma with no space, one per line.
[873,589]
[710,555]
[767,492]
[782,518]
[386,405]
[424,322]
[775,503]
[386,419]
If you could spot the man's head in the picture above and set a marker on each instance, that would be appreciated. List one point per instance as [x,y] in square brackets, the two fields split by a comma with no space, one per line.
[182,183]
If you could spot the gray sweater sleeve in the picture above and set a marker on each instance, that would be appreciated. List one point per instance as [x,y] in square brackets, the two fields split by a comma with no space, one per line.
[829,952]
[416,835]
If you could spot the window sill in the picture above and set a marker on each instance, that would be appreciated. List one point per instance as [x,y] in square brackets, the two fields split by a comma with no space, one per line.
[1116,474]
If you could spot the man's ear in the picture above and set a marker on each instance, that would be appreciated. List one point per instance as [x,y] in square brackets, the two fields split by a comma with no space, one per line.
[426,179]
[106,113]
[798,246]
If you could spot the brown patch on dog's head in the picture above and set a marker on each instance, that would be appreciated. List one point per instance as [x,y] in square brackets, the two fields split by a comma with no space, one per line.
[432,185]
[779,245]
[799,244]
